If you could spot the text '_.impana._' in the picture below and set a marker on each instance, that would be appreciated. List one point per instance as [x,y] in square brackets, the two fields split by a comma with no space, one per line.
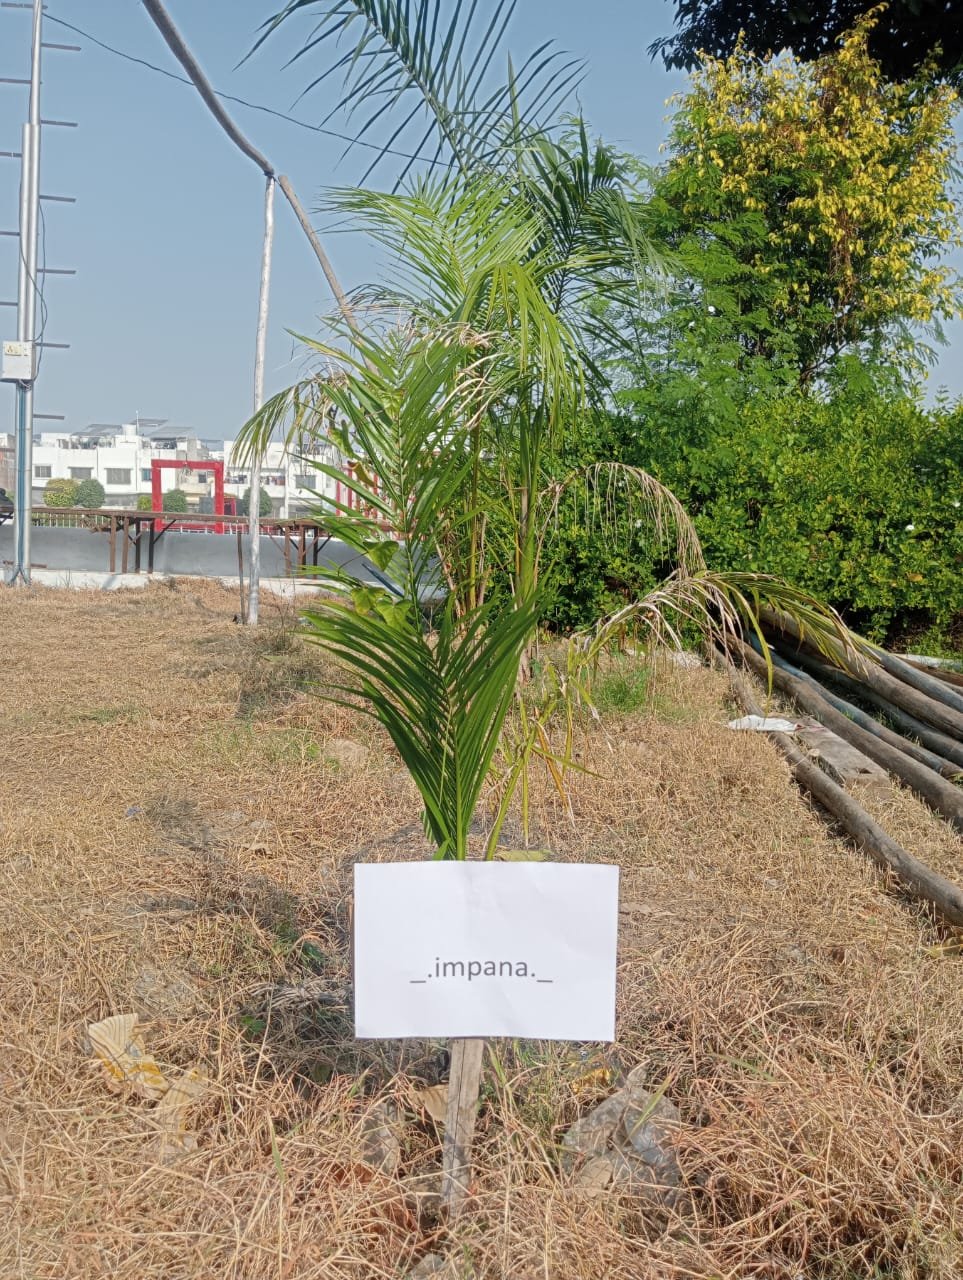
[472,969]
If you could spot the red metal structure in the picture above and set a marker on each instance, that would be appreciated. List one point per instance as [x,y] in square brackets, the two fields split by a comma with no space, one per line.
[157,466]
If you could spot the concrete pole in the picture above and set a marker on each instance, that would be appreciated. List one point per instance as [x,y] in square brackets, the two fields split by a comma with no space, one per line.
[254,510]
[27,308]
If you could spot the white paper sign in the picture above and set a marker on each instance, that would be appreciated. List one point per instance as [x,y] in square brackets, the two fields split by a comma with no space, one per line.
[485,949]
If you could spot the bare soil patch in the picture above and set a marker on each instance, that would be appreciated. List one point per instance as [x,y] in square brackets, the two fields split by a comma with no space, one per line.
[178,821]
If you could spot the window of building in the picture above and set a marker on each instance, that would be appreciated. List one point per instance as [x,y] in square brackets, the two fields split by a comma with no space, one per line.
[81,473]
[309,481]
[118,475]
[42,473]
[145,474]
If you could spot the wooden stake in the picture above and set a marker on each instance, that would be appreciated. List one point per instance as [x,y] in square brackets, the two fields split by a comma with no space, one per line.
[942,796]
[464,1086]
[921,880]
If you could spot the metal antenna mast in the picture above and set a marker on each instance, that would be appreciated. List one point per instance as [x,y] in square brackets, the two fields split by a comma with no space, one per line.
[27,290]
[20,358]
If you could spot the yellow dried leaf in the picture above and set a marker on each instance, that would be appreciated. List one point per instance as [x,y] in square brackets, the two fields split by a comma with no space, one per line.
[592,1083]
[119,1046]
[171,1112]
[434,1100]
[952,948]
[521,855]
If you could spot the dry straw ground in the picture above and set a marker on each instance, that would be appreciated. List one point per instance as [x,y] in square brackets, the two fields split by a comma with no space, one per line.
[179,818]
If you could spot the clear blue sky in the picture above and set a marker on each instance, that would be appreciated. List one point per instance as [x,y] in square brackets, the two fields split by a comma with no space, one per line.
[166,231]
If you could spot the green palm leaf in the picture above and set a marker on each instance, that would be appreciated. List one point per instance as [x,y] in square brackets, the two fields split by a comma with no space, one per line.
[404,61]
[442,699]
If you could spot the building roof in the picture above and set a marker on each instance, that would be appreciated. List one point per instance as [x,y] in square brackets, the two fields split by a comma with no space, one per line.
[93,431]
[146,428]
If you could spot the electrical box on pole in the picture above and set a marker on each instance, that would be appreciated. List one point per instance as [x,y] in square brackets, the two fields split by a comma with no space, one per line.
[18,362]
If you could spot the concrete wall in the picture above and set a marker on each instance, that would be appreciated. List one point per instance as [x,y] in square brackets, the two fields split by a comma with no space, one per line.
[202,555]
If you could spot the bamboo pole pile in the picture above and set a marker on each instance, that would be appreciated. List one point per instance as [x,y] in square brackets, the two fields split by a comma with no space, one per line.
[906,716]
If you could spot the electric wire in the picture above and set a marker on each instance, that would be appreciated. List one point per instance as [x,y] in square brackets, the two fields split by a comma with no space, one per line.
[253,106]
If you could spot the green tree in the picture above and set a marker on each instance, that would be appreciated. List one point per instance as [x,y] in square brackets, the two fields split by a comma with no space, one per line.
[853,495]
[811,207]
[264,502]
[908,34]
[90,494]
[175,500]
[145,502]
[60,492]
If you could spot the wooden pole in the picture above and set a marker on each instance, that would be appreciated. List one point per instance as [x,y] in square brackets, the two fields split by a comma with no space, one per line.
[344,306]
[943,675]
[464,1085]
[942,796]
[240,571]
[945,768]
[254,491]
[939,712]
[939,743]
[921,880]
[926,682]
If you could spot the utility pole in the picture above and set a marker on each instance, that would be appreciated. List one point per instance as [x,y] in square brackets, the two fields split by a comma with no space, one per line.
[162,20]
[21,358]
[175,42]
[254,506]
[27,290]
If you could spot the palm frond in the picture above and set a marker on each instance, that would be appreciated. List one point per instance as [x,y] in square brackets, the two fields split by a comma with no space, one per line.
[408,61]
[617,500]
[442,699]
[724,606]
[400,413]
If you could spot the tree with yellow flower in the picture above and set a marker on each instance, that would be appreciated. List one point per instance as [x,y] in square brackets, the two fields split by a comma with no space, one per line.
[812,205]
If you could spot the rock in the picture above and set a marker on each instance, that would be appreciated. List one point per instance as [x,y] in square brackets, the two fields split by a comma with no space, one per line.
[422,1193]
[230,817]
[592,1134]
[683,658]
[258,835]
[345,753]
[627,1143]
[649,1126]
[595,1175]
[432,1264]
[231,828]
[380,1144]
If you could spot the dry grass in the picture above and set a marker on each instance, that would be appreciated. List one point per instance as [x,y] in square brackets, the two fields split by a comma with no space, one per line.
[178,824]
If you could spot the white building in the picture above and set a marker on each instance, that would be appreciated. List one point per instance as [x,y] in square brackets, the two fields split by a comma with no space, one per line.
[120,456]
[293,483]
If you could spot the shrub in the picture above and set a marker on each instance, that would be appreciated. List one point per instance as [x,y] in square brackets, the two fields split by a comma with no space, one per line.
[90,494]
[856,499]
[60,492]
[175,500]
[264,503]
[145,502]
